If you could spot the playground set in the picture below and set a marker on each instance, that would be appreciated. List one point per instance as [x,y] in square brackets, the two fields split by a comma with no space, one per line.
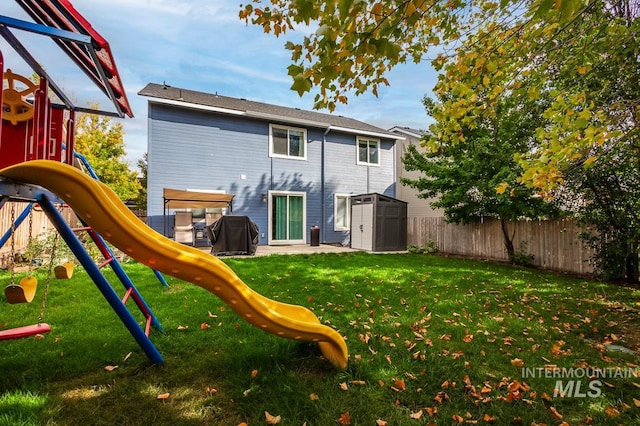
[38,166]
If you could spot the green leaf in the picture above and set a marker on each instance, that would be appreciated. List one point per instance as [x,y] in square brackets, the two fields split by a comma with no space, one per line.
[301,84]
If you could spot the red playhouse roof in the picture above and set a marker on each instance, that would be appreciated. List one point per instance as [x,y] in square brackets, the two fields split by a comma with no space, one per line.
[95,60]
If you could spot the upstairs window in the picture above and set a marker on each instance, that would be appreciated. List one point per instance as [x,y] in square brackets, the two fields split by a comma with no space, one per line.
[288,142]
[368,151]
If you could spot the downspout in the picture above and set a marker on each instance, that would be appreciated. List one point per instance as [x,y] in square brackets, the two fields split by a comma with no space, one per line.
[322,189]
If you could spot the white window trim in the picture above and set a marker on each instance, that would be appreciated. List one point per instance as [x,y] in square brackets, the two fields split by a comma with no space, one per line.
[366,163]
[291,157]
[271,241]
[335,212]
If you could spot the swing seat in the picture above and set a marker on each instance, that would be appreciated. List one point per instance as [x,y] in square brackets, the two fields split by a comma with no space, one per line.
[23,292]
[26,331]
[64,271]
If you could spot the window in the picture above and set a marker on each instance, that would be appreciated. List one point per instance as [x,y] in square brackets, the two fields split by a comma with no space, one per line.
[287,217]
[342,212]
[287,142]
[368,151]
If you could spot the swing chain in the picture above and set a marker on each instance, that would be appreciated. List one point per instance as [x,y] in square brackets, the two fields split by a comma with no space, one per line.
[48,280]
[30,244]
[13,243]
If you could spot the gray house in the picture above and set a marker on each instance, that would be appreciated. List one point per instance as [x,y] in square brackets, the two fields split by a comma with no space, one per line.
[285,168]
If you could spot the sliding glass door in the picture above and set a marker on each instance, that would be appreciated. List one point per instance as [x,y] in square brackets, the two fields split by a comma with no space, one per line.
[288,217]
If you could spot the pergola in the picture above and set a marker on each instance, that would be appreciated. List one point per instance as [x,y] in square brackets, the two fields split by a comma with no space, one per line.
[183,199]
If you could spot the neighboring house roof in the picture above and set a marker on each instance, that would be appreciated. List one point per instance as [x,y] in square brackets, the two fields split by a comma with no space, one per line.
[162,93]
[409,131]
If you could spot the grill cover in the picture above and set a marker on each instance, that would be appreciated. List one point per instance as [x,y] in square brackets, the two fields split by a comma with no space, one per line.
[231,235]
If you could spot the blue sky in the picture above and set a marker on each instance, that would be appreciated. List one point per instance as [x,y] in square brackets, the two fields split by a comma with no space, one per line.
[202,45]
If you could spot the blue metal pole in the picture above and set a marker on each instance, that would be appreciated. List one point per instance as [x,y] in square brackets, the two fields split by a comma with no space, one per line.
[160,278]
[126,281]
[101,282]
[17,223]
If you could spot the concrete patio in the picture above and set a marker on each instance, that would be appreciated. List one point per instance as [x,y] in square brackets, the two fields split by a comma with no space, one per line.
[264,250]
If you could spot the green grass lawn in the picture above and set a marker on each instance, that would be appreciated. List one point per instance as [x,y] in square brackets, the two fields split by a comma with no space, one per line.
[432,340]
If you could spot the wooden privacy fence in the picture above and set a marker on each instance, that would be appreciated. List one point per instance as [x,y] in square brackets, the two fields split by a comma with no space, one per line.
[40,225]
[555,244]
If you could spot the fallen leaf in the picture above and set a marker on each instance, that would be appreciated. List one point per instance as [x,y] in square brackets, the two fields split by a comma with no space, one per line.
[272,420]
[127,357]
[458,419]
[254,373]
[358,382]
[400,384]
[211,391]
[555,413]
[417,415]
[489,418]
[204,326]
[345,419]
[183,327]
[110,368]
[314,397]
[380,422]
[164,396]
[636,402]
[432,411]
[517,362]
[344,386]
[611,411]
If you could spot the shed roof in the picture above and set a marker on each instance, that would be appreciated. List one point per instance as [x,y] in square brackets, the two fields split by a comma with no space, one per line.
[214,102]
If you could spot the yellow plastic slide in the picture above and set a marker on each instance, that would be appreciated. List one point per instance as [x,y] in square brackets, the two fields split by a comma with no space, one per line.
[101,209]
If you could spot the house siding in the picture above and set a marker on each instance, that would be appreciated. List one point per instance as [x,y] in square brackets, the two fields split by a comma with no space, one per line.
[204,150]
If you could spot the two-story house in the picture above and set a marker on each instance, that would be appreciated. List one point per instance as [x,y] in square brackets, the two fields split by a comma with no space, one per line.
[287,169]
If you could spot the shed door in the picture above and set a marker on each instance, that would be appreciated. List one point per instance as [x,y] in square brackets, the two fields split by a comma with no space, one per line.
[362,227]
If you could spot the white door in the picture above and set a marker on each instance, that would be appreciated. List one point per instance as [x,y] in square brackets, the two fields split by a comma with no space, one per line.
[362,227]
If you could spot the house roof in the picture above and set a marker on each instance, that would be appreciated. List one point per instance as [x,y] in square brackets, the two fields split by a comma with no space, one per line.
[416,133]
[162,93]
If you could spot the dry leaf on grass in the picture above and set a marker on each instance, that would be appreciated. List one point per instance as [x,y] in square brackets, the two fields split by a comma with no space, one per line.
[110,368]
[555,413]
[417,415]
[517,362]
[345,419]
[612,411]
[381,422]
[163,396]
[271,420]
